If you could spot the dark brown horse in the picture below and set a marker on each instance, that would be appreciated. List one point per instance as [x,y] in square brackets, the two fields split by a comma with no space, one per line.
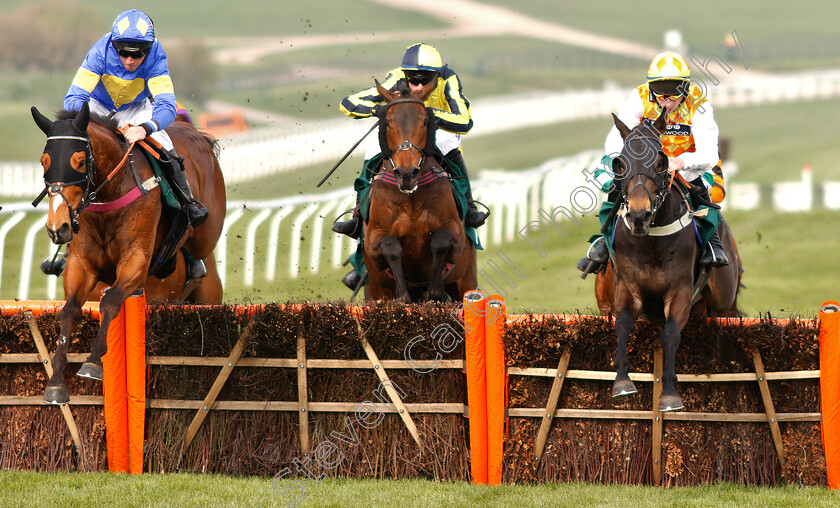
[83,156]
[656,255]
[415,245]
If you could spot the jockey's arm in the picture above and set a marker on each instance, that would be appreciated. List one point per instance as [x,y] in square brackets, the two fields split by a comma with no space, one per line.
[361,104]
[86,79]
[159,84]
[458,120]
[705,156]
[630,113]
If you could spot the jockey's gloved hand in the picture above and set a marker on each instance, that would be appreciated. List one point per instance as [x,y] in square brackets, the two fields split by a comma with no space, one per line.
[378,110]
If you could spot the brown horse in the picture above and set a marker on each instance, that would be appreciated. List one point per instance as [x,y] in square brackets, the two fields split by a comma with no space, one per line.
[415,245]
[656,255]
[83,157]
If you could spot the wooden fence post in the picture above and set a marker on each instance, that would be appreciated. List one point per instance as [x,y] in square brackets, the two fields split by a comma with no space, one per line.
[656,449]
[551,406]
[303,398]
[772,419]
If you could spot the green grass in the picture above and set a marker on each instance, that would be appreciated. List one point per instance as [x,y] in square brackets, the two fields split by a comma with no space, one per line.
[218,18]
[28,489]
[776,34]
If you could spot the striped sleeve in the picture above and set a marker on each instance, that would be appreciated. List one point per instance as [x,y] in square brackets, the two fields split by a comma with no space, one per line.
[458,119]
[360,104]
[86,79]
[160,87]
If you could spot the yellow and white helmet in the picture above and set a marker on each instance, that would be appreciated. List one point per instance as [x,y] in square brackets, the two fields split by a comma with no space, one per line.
[668,66]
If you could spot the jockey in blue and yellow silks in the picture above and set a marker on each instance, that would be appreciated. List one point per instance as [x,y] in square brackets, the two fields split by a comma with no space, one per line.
[690,141]
[421,64]
[125,76]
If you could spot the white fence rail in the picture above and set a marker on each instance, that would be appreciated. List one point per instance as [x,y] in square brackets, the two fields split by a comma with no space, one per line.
[289,238]
[268,151]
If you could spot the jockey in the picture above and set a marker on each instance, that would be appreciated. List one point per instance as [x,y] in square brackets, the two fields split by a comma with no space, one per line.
[690,141]
[125,76]
[420,65]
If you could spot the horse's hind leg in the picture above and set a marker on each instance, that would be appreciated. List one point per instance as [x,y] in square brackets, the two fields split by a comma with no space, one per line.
[441,244]
[392,252]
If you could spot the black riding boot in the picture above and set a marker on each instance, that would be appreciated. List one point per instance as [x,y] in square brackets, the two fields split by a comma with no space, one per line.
[598,255]
[474,218]
[196,211]
[352,227]
[713,254]
[352,279]
[196,268]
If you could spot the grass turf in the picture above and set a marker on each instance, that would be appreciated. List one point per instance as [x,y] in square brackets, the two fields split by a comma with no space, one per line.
[26,489]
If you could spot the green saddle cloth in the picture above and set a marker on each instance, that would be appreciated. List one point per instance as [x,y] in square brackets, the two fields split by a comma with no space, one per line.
[364,182]
[170,202]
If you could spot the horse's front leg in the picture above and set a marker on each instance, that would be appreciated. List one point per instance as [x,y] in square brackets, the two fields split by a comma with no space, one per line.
[393,253]
[130,276]
[441,244]
[629,308]
[79,281]
[677,310]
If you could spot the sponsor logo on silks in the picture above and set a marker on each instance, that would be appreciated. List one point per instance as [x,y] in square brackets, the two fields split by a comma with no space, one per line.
[671,129]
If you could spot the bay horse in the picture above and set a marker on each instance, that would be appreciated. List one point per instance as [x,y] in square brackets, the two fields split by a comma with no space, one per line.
[82,162]
[415,246]
[656,257]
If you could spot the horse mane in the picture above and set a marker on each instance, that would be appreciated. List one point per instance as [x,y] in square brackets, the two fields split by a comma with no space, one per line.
[108,123]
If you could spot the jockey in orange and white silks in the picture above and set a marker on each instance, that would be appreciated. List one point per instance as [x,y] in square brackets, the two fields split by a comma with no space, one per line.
[690,141]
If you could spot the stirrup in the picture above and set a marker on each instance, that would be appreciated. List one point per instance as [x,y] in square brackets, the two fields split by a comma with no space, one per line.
[598,251]
[196,268]
[351,227]
[196,213]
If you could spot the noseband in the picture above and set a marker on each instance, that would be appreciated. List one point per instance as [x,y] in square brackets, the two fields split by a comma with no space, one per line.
[406,146]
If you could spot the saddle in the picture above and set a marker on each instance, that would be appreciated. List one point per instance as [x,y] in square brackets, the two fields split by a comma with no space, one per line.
[164,261]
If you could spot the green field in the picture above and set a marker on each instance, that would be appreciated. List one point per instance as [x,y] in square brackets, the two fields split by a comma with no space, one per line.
[27,489]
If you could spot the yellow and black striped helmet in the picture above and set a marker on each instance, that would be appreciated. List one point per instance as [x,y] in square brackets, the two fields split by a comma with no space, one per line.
[421,57]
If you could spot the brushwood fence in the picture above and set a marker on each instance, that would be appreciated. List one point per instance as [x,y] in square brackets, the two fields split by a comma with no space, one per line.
[310,379]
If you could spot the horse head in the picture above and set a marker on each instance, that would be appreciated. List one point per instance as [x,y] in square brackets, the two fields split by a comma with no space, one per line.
[406,133]
[68,168]
[642,169]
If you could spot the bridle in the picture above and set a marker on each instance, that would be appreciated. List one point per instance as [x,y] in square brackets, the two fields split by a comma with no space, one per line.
[405,146]
[55,186]
[660,180]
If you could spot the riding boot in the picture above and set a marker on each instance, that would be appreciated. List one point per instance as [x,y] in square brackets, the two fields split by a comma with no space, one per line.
[352,279]
[713,254]
[474,217]
[598,255]
[352,227]
[196,211]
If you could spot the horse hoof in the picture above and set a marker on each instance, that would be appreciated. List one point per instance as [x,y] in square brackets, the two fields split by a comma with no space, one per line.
[57,395]
[622,388]
[90,371]
[670,403]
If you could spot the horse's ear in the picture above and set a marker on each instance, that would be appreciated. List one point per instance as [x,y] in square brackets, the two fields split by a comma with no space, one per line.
[427,89]
[82,118]
[661,122]
[383,92]
[623,129]
[44,123]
